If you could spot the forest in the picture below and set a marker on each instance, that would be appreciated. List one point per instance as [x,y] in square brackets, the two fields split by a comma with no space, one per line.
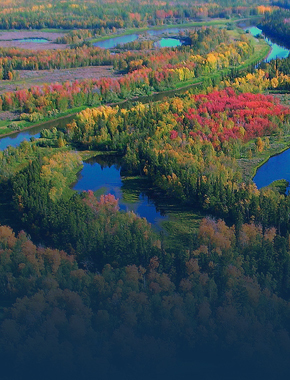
[92,289]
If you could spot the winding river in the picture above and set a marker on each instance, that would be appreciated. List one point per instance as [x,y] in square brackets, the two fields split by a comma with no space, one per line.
[103,176]
[277,51]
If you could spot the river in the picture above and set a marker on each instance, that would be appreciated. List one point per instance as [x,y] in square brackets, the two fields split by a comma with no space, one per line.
[277,167]
[105,176]
[111,43]
[277,51]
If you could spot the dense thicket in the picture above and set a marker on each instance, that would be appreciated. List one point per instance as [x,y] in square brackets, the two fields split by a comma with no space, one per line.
[60,319]
[94,229]
[188,147]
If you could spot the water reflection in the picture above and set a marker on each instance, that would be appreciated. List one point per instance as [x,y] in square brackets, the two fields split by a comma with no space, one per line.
[102,174]
[277,51]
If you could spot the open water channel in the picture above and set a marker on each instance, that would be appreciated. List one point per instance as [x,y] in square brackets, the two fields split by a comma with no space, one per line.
[277,167]
[103,175]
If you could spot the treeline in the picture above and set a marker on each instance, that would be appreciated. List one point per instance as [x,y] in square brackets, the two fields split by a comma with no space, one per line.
[155,73]
[271,78]
[277,25]
[75,36]
[136,45]
[64,313]
[96,230]
[102,17]
[20,59]
[203,41]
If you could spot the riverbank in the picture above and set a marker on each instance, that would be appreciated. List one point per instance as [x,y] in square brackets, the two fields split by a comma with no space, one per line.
[192,24]
[250,166]
[261,51]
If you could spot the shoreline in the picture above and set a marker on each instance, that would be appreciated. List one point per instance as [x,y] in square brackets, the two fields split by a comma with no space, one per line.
[142,98]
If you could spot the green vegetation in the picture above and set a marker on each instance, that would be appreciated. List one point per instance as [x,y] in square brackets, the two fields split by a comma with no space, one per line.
[89,290]
[281,185]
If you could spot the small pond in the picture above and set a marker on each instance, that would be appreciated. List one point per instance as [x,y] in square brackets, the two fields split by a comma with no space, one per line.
[168,42]
[36,40]
[102,175]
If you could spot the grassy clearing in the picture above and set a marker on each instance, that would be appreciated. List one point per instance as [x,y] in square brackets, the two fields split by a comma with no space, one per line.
[181,226]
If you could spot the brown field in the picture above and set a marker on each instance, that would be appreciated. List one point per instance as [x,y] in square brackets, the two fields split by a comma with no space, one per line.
[10,39]
[30,78]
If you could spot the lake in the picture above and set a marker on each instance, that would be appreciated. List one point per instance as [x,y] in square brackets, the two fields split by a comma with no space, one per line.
[277,167]
[102,174]
[111,43]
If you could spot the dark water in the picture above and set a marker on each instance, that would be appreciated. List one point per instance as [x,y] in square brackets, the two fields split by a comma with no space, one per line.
[277,167]
[113,42]
[277,51]
[102,176]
